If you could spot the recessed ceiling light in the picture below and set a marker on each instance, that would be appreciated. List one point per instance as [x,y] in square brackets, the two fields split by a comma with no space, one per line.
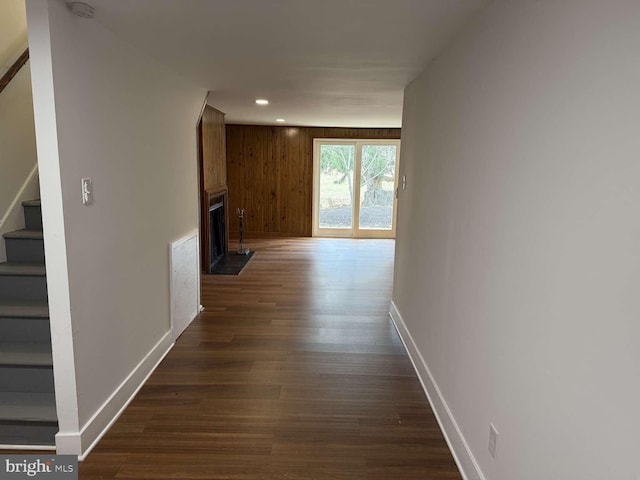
[262,101]
[280,120]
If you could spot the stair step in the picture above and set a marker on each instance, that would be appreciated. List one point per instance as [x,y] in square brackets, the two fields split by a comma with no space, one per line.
[27,407]
[30,434]
[24,310]
[25,246]
[20,282]
[22,269]
[27,379]
[27,401]
[25,234]
[32,215]
[26,354]
[24,323]
[31,203]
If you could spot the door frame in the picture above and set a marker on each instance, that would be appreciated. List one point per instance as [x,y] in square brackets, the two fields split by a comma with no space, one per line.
[355,231]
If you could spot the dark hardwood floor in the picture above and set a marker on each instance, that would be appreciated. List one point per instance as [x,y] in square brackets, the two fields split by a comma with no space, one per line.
[293,372]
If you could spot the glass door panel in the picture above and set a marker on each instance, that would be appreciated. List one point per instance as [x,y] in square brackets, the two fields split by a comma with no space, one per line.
[336,186]
[354,187]
[377,186]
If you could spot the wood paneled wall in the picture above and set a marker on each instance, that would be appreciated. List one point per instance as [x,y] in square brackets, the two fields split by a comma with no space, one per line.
[213,175]
[270,175]
[213,150]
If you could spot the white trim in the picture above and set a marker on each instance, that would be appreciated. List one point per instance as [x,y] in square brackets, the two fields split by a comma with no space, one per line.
[467,464]
[204,105]
[55,245]
[357,189]
[199,229]
[96,427]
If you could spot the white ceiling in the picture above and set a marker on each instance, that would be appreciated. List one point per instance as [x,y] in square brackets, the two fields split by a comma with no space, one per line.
[319,62]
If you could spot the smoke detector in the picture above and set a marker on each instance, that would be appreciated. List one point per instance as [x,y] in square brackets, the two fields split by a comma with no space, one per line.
[81,9]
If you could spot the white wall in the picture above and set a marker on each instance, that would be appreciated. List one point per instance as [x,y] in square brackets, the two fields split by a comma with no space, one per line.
[13,32]
[17,153]
[518,248]
[107,111]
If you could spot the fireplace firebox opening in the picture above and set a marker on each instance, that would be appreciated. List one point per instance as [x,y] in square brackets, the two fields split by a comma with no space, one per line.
[217,237]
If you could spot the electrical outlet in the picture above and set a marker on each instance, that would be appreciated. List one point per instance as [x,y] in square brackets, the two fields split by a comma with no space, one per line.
[493,440]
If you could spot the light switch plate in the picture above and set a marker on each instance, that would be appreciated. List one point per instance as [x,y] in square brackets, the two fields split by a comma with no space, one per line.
[87,191]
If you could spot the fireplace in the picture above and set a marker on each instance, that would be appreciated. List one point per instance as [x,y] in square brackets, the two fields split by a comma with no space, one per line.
[217,225]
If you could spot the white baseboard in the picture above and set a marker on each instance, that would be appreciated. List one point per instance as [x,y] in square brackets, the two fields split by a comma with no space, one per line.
[81,443]
[458,445]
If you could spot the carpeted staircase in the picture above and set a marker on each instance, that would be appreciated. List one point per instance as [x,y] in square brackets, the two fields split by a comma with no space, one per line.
[27,401]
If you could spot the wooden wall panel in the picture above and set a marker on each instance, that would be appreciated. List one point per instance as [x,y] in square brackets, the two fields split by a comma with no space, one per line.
[270,175]
[213,149]
[213,175]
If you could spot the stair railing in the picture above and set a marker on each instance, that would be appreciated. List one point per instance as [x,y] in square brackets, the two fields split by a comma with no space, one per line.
[13,71]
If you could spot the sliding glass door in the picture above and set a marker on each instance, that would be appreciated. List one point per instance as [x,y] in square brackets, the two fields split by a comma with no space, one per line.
[354,188]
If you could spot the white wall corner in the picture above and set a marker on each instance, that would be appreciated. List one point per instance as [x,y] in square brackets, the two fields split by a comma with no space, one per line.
[464,458]
[64,369]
